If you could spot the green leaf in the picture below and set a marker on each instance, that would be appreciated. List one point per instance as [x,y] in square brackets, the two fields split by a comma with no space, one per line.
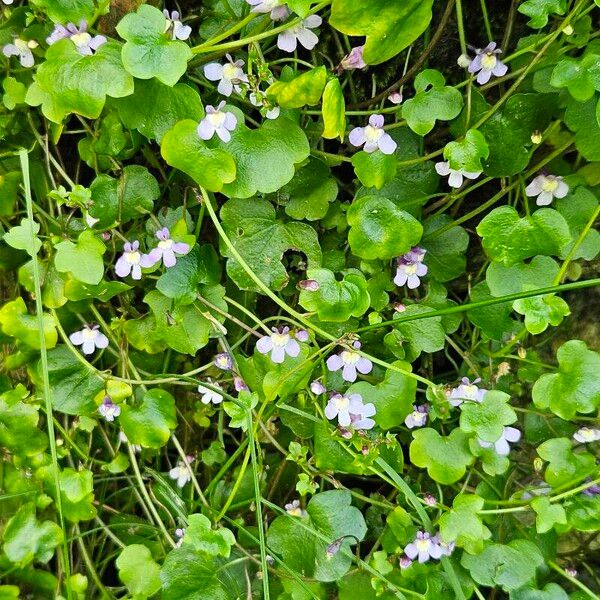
[239,414]
[551,591]
[510,129]
[138,571]
[332,517]
[577,209]
[547,515]
[581,77]
[433,101]
[76,491]
[9,190]
[27,539]
[199,266]
[445,258]
[420,335]
[334,110]
[150,424]
[262,240]
[494,320]
[374,169]
[14,92]
[336,301]
[487,418]
[564,465]
[541,311]
[168,106]
[16,322]
[265,157]
[463,525]
[305,88]
[380,230]
[580,117]
[19,432]
[19,237]
[105,290]
[510,239]
[121,200]
[204,539]
[503,280]
[64,11]
[466,154]
[308,194]
[576,387]
[68,82]
[149,50]
[445,458]
[73,384]
[183,149]
[393,397]
[507,566]
[540,10]
[83,259]
[390,27]
[583,512]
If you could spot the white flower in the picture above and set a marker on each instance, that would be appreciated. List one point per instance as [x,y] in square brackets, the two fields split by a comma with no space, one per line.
[455,177]
[259,99]
[130,261]
[417,418]
[179,31]
[585,435]
[277,8]
[424,547]
[217,121]
[373,137]
[546,188]
[350,361]
[350,410]
[108,409]
[208,395]
[279,343]
[22,49]
[288,40]
[294,509]
[502,447]
[228,75]
[466,391]
[89,338]
[180,474]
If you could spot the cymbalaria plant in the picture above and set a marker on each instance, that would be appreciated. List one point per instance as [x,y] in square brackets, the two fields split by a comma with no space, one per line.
[299,300]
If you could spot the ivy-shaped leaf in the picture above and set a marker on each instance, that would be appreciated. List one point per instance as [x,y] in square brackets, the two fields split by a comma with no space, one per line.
[564,465]
[82,259]
[68,82]
[510,239]
[463,525]
[467,153]
[445,458]
[580,117]
[390,27]
[581,77]
[547,515]
[65,11]
[16,322]
[541,311]
[576,386]
[487,418]
[374,169]
[262,240]
[433,101]
[138,571]
[19,237]
[149,50]
[302,89]
[204,539]
[538,11]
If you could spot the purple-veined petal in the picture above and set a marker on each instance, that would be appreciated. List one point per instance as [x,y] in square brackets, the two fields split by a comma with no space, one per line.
[401,277]
[76,338]
[544,199]
[535,187]
[421,269]
[500,69]
[364,365]
[277,354]
[180,247]
[101,340]
[286,41]
[312,21]
[483,76]
[292,348]
[370,147]
[357,136]
[376,121]
[205,130]
[225,87]
[148,260]
[413,282]
[181,32]
[264,344]
[213,71]
[122,267]
[223,134]
[97,41]
[307,38]
[475,65]
[386,144]
[344,417]
[562,189]
[230,121]
[334,363]
[88,347]
[136,272]
[168,257]
[349,373]
[331,410]
[411,551]
[511,434]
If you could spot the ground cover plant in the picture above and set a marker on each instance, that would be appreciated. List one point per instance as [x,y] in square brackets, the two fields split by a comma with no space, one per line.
[299,300]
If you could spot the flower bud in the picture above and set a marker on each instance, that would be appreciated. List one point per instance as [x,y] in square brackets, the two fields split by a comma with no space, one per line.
[463,61]
[310,285]
[536,137]
[395,98]
[568,30]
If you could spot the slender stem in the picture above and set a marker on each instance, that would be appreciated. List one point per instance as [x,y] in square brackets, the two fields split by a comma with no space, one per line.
[47,392]
[573,580]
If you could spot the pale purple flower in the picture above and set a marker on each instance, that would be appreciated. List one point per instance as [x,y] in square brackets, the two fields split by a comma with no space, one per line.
[360,416]
[405,562]
[351,362]
[424,547]
[373,137]
[223,361]
[486,63]
[181,474]
[350,410]
[165,250]
[430,500]
[446,549]
[229,75]
[217,121]
[317,388]
[353,60]
[260,100]
[466,391]
[85,43]
[22,49]
[277,9]
[410,268]
[89,338]
[455,176]
[418,417]
[302,335]
[571,571]
[279,343]
[586,435]
[210,396]
[178,30]
[8,2]
[501,446]
[239,384]
[546,188]
[294,509]
[288,40]
[108,409]
[130,261]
